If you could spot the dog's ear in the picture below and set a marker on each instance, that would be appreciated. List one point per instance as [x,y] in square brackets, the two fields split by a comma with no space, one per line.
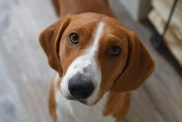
[50,39]
[139,66]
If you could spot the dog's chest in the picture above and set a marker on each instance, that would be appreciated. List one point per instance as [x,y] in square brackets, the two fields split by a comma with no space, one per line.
[72,111]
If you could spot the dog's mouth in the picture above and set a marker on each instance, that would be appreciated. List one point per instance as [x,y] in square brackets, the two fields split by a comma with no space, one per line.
[77,99]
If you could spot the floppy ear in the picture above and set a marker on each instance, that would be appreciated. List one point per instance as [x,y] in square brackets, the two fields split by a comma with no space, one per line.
[138,67]
[50,39]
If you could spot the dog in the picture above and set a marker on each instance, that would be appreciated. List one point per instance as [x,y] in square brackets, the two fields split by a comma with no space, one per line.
[98,62]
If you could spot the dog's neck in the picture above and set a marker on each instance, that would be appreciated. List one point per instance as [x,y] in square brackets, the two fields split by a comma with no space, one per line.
[81,6]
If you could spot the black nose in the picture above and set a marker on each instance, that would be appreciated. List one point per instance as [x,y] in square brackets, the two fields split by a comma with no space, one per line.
[80,86]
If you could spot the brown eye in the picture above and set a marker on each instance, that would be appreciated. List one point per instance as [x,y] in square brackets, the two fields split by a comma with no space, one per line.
[114,50]
[74,38]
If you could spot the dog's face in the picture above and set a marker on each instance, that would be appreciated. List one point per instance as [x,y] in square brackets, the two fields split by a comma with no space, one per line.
[93,54]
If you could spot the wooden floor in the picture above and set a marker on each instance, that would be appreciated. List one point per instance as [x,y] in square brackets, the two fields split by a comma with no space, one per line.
[25,75]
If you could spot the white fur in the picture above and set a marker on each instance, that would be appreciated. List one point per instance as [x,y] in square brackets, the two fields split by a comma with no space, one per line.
[73,111]
[85,60]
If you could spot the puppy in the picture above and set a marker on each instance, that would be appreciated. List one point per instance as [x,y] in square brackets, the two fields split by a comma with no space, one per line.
[98,62]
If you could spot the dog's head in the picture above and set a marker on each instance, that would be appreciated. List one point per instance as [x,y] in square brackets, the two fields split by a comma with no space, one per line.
[93,54]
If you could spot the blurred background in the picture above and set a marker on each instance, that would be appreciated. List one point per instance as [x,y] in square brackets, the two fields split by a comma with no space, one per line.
[25,75]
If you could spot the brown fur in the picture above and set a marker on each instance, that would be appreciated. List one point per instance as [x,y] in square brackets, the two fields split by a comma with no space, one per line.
[117,105]
[120,74]
[52,102]
[56,6]
[80,6]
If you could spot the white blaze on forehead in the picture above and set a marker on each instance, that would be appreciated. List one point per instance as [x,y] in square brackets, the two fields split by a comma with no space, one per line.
[88,59]
[96,37]
[96,72]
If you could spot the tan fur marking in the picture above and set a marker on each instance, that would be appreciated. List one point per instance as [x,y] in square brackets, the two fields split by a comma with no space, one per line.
[117,105]
[52,103]
[56,6]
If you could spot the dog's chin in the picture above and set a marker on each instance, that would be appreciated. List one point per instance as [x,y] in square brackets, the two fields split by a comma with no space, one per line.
[83,101]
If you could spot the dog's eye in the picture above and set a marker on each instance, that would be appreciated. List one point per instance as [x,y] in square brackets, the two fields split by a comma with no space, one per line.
[74,38]
[114,50]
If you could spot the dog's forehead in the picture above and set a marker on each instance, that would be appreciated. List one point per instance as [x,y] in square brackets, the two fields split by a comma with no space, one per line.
[84,19]
[90,20]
